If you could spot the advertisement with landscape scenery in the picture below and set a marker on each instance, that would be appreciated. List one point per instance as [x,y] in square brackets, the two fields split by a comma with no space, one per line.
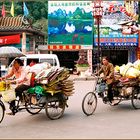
[70,22]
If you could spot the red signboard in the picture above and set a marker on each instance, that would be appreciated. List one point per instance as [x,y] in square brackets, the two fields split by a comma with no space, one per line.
[13,39]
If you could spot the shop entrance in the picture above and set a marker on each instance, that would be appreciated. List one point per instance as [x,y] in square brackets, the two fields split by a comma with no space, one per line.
[117,57]
[67,58]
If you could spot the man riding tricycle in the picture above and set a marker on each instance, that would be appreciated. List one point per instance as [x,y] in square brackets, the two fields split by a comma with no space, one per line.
[48,89]
[112,89]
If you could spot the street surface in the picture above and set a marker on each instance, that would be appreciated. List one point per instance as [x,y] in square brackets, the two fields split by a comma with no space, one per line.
[108,122]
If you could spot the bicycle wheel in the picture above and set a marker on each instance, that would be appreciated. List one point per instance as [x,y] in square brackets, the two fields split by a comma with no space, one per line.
[135,99]
[2,111]
[89,103]
[55,109]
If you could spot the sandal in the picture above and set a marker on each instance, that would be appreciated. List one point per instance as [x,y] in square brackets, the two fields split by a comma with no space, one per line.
[113,103]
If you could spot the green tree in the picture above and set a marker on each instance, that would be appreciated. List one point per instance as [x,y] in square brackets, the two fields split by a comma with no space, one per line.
[38,11]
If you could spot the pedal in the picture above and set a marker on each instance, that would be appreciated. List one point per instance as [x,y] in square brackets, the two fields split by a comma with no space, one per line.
[105,100]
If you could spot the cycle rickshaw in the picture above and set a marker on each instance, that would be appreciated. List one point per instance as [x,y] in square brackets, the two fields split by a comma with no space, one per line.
[50,93]
[122,90]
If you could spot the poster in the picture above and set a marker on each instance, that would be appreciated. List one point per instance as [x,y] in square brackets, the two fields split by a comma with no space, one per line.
[119,20]
[70,22]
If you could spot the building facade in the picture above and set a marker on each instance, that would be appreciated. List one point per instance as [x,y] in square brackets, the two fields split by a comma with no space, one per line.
[71,27]
[19,32]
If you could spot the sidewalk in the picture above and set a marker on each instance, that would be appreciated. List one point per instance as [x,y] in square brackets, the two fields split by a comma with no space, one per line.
[78,78]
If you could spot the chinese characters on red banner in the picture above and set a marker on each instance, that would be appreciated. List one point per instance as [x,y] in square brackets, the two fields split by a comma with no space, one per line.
[13,39]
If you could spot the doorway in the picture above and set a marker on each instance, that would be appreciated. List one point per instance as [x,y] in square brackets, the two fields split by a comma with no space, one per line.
[67,58]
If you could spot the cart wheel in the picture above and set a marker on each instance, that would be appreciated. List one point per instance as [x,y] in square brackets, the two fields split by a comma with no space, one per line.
[31,105]
[55,109]
[136,98]
[89,103]
[33,109]
[2,111]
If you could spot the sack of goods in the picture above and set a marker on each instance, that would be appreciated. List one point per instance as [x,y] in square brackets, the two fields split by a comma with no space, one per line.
[126,91]
[9,95]
[130,70]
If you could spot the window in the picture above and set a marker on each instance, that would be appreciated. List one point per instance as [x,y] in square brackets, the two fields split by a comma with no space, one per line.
[49,60]
[29,60]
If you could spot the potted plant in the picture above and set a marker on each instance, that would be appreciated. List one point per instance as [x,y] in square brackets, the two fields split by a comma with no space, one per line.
[81,64]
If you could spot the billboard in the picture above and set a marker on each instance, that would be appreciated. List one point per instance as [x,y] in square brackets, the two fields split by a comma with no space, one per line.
[70,22]
[118,21]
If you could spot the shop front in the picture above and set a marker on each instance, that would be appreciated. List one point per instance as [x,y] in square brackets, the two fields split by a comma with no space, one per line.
[68,54]
[18,32]
[120,49]
[118,32]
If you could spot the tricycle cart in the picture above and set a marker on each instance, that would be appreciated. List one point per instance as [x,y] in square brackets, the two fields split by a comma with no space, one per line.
[122,90]
[49,92]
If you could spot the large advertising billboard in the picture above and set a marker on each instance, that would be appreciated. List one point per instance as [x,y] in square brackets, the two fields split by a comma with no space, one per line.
[118,24]
[70,22]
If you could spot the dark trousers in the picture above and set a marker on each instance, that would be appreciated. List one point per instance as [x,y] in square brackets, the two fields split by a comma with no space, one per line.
[110,94]
[19,90]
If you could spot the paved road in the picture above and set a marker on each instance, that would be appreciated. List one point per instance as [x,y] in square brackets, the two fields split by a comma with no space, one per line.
[121,121]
